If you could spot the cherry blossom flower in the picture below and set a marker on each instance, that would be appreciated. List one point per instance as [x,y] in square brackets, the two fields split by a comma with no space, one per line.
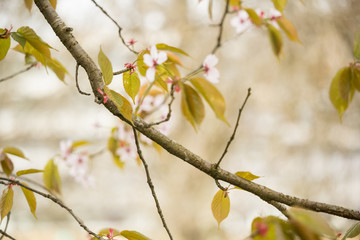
[131,67]
[273,15]
[65,148]
[131,42]
[211,73]
[152,60]
[241,22]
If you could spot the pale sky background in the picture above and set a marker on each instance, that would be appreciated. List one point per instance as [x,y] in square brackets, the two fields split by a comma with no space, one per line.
[289,132]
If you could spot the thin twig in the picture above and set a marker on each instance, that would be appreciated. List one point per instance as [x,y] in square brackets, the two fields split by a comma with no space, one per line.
[118,26]
[234,132]
[221,27]
[122,71]
[6,226]
[55,200]
[219,185]
[17,73]
[149,181]
[168,116]
[77,81]
[6,235]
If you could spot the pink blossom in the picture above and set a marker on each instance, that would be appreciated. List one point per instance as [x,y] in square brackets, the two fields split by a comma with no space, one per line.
[131,42]
[65,148]
[211,73]
[273,15]
[105,96]
[152,60]
[241,22]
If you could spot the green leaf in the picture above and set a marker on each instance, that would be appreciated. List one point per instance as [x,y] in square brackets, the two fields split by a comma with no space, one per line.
[288,28]
[355,77]
[212,96]
[131,83]
[275,39]
[30,198]
[121,103]
[106,67]
[220,206]
[235,3]
[312,221]
[279,4]
[80,143]
[35,41]
[17,37]
[163,46]
[112,146]
[28,4]
[341,90]
[28,171]
[6,201]
[191,105]
[51,177]
[104,232]
[133,235]
[6,164]
[253,16]
[14,151]
[4,47]
[353,231]
[357,46]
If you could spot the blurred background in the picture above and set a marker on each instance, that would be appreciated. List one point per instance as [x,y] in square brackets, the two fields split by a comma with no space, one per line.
[289,133]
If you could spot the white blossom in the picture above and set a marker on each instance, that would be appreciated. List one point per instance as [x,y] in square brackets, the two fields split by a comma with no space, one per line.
[152,60]
[211,73]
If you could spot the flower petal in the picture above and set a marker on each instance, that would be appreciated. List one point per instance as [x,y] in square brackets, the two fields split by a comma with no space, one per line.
[210,61]
[150,74]
[161,58]
[148,60]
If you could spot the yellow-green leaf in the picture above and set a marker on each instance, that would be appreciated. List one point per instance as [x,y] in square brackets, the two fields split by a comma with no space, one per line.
[28,171]
[53,3]
[51,177]
[4,47]
[14,151]
[57,68]
[235,3]
[121,103]
[28,4]
[312,220]
[133,235]
[357,46]
[341,90]
[353,231]
[6,201]
[191,105]
[212,96]
[355,77]
[79,143]
[131,83]
[6,164]
[220,206]
[30,198]
[246,175]
[253,16]
[106,67]
[210,8]
[35,41]
[163,46]
[275,39]
[288,28]
[279,4]
[104,232]
[17,37]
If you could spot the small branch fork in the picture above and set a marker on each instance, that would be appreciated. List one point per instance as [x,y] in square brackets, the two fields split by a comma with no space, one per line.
[17,73]
[118,26]
[6,181]
[151,185]
[77,81]
[3,233]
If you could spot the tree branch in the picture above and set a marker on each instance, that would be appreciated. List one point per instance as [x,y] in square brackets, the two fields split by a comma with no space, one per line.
[17,73]
[6,181]
[170,145]
[151,185]
[221,27]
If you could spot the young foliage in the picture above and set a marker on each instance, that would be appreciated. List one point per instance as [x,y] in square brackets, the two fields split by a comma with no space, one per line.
[133,235]
[106,67]
[271,228]
[28,171]
[288,28]
[342,90]
[191,105]
[14,151]
[28,4]
[254,16]
[30,199]
[352,232]
[34,40]
[51,177]
[112,146]
[279,4]
[6,164]
[357,46]
[131,83]
[275,39]
[6,201]
[246,175]
[4,43]
[211,95]
[220,206]
[121,103]
[163,46]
